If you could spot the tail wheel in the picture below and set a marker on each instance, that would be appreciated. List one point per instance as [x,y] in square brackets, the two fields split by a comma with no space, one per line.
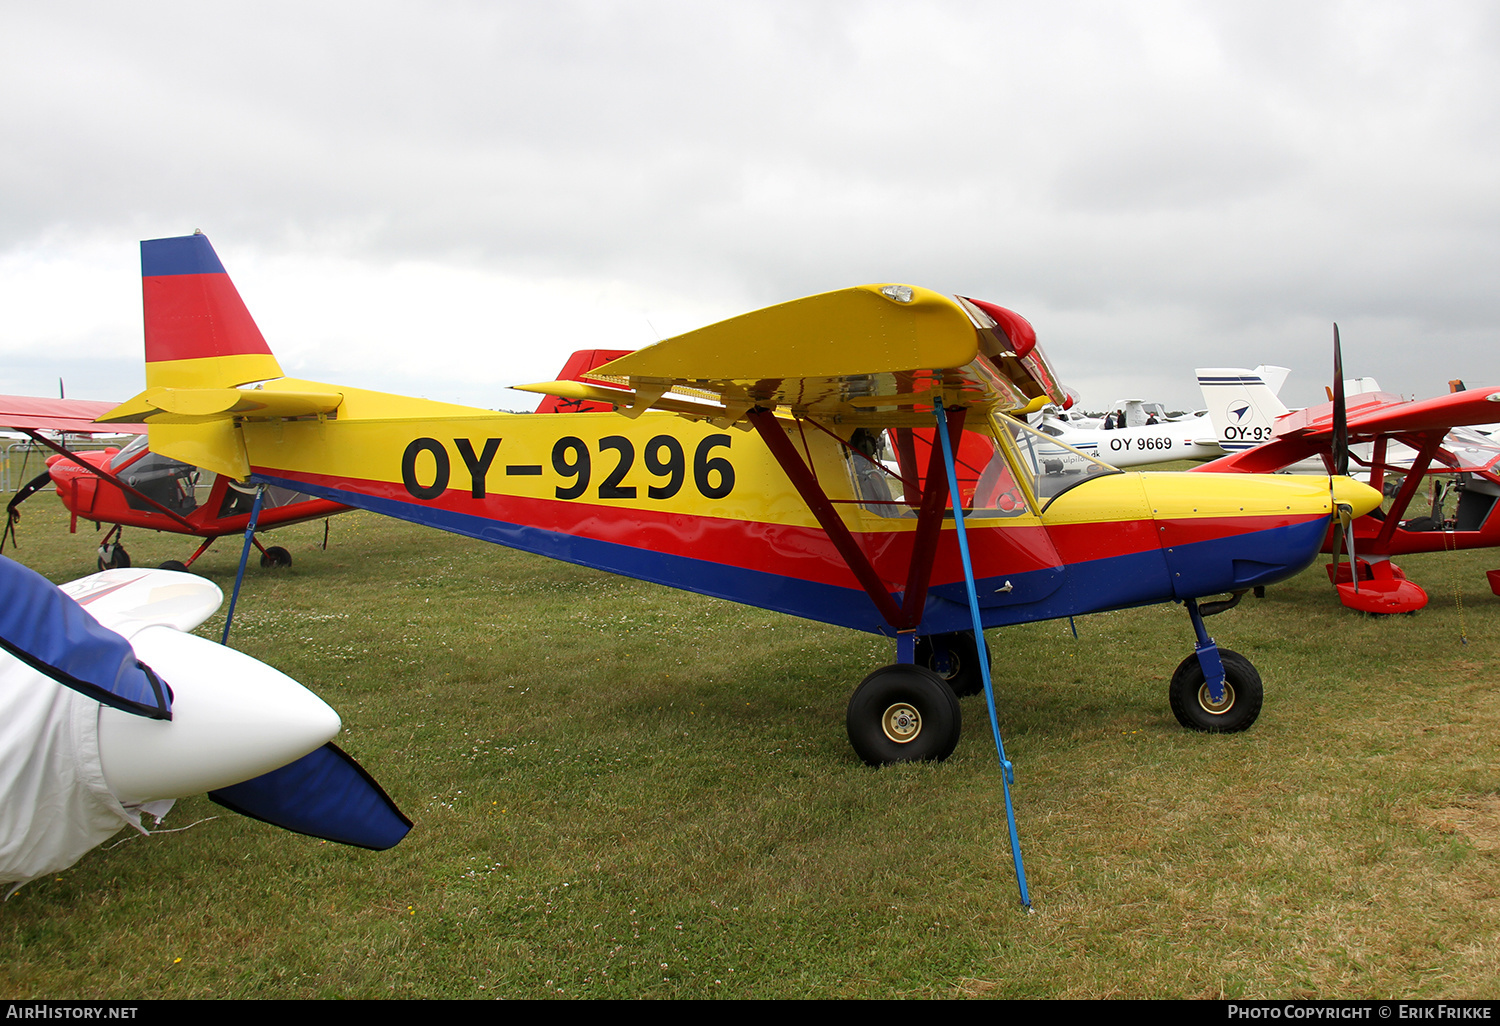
[903,713]
[955,658]
[275,556]
[1193,704]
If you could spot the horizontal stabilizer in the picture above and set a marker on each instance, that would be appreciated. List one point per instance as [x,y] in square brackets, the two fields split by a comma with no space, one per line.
[209,403]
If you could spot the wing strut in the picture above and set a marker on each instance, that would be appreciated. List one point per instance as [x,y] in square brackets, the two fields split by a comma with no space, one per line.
[908,614]
[1415,477]
[239,578]
[1007,774]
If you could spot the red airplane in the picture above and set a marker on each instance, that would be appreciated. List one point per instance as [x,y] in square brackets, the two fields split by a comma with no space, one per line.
[1405,446]
[136,487]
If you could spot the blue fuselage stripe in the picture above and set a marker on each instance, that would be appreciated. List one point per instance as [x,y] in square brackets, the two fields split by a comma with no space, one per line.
[1090,586]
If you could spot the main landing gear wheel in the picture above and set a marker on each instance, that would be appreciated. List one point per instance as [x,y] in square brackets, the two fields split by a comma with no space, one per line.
[276,556]
[174,564]
[113,557]
[955,658]
[903,713]
[1194,706]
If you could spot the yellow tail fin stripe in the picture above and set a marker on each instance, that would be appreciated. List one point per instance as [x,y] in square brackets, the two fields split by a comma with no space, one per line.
[212,371]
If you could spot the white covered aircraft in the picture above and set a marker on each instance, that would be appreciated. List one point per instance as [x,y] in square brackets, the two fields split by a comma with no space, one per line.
[108,710]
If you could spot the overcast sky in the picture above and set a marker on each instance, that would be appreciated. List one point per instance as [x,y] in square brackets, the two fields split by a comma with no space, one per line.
[446,197]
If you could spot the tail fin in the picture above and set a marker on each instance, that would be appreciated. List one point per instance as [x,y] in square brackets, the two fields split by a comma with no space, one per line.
[200,343]
[198,332]
[1241,406]
[1274,377]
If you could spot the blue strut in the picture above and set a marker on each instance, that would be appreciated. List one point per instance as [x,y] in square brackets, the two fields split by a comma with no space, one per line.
[260,493]
[1208,654]
[1007,774]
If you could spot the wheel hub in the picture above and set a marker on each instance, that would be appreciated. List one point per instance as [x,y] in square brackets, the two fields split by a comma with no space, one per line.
[944,663]
[1206,700]
[901,722]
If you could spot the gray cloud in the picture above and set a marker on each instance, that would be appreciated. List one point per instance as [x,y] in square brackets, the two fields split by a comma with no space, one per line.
[1155,186]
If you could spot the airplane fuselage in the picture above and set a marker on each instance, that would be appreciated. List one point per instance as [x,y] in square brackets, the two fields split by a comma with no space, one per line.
[689,504]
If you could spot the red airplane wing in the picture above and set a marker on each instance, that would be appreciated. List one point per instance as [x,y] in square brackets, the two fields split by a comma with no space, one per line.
[75,415]
[1381,413]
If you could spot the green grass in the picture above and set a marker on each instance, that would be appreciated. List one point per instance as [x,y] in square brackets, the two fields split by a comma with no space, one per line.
[622,791]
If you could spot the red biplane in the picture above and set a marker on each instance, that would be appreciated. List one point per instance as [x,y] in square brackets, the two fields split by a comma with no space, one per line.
[135,487]
[1407,447]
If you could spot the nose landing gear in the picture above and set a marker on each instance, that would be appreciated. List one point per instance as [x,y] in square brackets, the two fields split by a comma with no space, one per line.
[1214,690]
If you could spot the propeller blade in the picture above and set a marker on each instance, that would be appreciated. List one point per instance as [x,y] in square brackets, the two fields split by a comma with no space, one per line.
[1346,529]
[1343,534]
[1340,411]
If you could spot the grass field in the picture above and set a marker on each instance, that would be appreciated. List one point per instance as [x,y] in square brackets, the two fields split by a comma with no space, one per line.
[620,790]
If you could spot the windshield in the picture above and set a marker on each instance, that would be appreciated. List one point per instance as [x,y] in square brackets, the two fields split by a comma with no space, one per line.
[1050,465]
[1469,449]
[128,453]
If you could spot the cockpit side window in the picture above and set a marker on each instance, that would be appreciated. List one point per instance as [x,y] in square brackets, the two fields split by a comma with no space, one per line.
[167,481]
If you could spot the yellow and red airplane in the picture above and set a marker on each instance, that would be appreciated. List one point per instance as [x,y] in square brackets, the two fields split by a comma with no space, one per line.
[802,458]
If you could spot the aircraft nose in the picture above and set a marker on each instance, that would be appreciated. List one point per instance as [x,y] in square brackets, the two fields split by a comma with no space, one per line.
[1229,532]
[1358,496]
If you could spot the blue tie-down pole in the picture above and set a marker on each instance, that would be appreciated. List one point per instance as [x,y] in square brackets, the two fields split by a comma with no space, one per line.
[1007,774]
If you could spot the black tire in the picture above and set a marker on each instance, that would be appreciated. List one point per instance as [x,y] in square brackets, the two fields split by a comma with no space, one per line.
[113,557]
[903,713]
[955,658]
[275,556]
[174,564]
[1194,709]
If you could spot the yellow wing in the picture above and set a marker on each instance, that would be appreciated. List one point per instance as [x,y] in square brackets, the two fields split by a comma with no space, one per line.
[864,353]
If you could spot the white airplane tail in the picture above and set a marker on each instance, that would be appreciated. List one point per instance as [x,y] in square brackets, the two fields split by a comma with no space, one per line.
[1242,404]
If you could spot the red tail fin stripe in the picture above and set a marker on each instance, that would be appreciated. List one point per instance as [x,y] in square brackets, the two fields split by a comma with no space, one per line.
[192,316]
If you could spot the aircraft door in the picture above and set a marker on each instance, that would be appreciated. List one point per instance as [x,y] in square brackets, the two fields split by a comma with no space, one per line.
[1015,562]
